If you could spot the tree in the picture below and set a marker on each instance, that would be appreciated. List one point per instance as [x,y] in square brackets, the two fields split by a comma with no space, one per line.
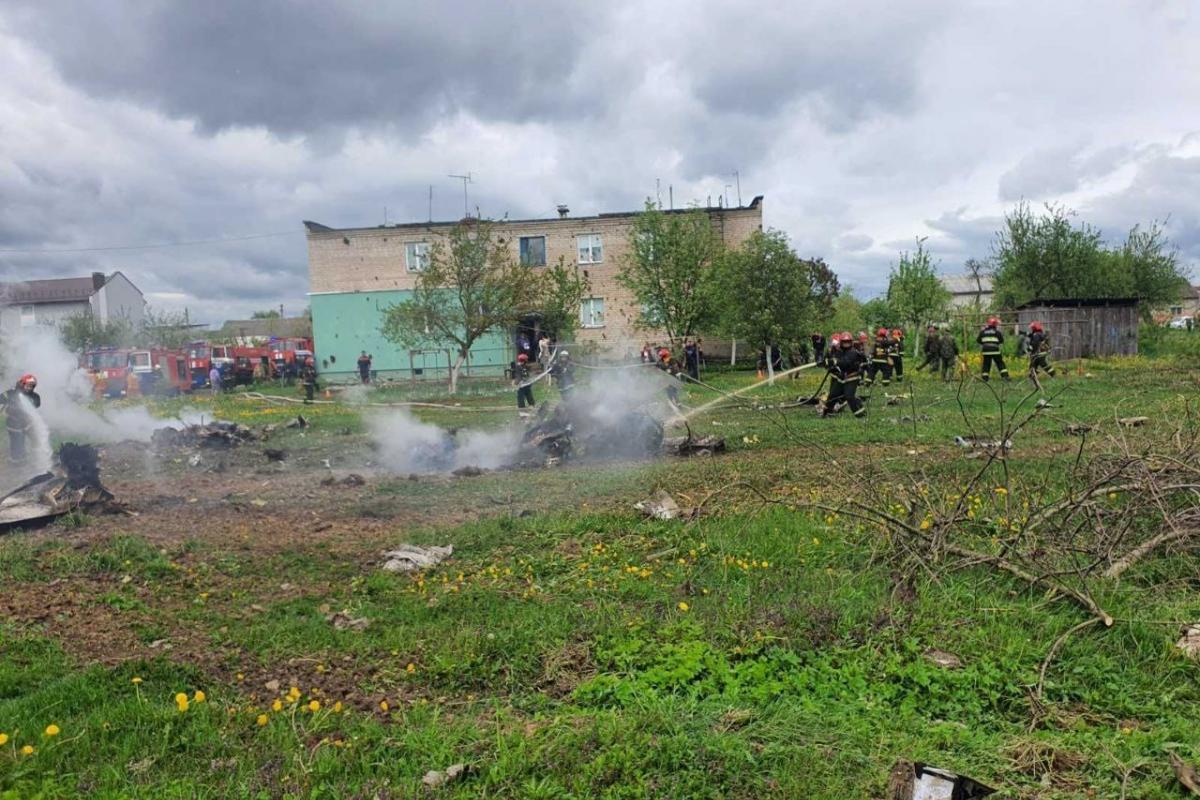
[170,330]
[270,313]
[771,296]
[877,313]
[669,270]
[1049,256]
[847,313]
[473,286]
[84,331]
[915,294]
[561,288]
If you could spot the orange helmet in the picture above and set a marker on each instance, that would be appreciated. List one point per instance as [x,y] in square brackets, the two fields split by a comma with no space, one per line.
[1035,326]
[993,321]
[522,358]
[897,333]
[27,381]
[664,353]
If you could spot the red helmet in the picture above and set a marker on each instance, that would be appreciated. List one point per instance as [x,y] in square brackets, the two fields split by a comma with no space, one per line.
[993,321]
[847,338]
[522,358]
[1035,326]
[309,361]
[835,338]
[881,332]
[27,380]
[664,354]
[897,332]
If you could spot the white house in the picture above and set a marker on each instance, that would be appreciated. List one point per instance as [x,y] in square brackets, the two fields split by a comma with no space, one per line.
[47,302]
[966,290]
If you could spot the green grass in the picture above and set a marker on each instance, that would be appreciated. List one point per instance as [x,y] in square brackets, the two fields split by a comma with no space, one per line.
[584,652]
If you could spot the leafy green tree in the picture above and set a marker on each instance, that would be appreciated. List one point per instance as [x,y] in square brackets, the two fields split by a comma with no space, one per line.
[561,288]
[1050,256]
[669,270]
[769,295]
[270,313]
[167,329]
[84,331]
[847,313]
[876,313]
[915,293]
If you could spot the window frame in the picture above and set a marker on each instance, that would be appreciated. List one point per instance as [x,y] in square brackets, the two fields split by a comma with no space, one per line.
[411,254]
[588,306]
[596,243]
[521,244]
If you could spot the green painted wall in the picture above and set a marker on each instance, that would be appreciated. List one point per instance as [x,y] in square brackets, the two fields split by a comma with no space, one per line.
[345,324]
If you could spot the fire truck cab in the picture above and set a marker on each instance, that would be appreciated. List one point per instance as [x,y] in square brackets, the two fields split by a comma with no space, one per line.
[288,354]
[199,362]
[109,370]
[160,371]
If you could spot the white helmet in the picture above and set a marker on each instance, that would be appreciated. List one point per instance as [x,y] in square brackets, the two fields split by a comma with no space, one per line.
[564,354]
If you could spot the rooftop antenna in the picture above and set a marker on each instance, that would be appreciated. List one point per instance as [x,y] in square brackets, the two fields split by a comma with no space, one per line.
[737,179]
[465,179]
[729,186]
[431,202]
[671,194]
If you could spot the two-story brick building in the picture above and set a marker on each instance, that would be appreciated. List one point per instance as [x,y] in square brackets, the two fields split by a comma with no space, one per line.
[357,273]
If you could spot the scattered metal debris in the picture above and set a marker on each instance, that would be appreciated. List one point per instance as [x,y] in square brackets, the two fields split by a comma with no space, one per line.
[1189,643]
[1132,422]
[73,485]
[433,779]
[411,557]
[342,621]
[916,781]
[212,434]
[661,506]
[1077,429]
[350,479]
[976,443]
[685,446]
[943,659]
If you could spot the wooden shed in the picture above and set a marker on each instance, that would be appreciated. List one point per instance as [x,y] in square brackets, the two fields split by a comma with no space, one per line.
[1083,328]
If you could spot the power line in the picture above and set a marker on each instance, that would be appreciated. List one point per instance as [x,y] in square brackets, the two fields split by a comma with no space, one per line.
[158,246]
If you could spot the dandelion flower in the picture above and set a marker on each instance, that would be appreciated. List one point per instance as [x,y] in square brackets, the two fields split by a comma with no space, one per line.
[52,730]
[199,697]
[683,606]
[337,707]
[277,705]
[181,702]
[135,680]
[262,720]
[411,668]
[3,739]
[314,706]
[1001,490]
[27,750]
[383,705]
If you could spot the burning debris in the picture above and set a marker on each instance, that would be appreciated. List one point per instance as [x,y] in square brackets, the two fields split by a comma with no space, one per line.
[687,446]
[73,485]
[213,434]
[915,781]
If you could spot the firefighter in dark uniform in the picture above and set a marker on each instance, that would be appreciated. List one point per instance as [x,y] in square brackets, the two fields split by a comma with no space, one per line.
[524,387]
[1039,351]
[898,354]
[991,340]
[671,367]
[818,347]
[861,343]
[563,373]
[845,364]
[948,353]
[308,375]
[18,405]
[881,359]
[932,348]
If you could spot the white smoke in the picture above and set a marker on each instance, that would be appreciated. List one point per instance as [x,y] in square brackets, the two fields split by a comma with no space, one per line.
[598,407]
[37,442]
[65,390]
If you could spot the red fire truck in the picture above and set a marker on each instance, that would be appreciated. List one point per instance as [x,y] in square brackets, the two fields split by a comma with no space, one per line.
[288,355]
[159,372]
[249,364]
[109,369]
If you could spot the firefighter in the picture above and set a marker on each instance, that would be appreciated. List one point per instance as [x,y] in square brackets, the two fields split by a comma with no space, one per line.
[563,372]
[308,374]
[671,367]
[991,339]
[524,387]
[881,359]
[948,353]
[364,368]
[932,348]
[845,364]
[18,405]
[898,354]
[818,347]
[861,344]
[1039,351]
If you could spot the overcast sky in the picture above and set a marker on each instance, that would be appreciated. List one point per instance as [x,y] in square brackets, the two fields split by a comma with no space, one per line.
[865,125]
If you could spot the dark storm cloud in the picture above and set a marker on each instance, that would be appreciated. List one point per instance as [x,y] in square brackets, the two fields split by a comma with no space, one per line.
[300,66]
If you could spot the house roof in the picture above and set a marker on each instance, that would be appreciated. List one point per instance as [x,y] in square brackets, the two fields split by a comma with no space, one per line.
[286,327]
[965,284]
[1079,302]
[316,227]
[55,290]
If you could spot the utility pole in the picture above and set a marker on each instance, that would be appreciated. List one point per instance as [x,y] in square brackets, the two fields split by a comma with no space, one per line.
[431,202]
[465,179]
[737,179]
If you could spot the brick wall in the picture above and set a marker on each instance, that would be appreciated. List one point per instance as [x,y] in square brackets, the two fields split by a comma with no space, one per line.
[374,260]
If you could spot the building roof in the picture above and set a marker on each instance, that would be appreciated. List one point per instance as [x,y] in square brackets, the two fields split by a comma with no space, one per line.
[1079,302]
[965,284]
[55,290]
[295,327]
[316,227]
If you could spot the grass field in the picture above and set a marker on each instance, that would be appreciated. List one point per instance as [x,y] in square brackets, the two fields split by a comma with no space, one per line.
[571,648]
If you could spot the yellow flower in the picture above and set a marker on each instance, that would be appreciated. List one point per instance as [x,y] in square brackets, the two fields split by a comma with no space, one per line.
[1001,490]
[27,750]
[181,702]
[816,541]
[337,707]
[383,705]
[3,739]
[52,730]
[199,697]
[277,705]
[683,606]
[925,523]
[262,720]
[411,668]
[241,677]
[135,680]
[314,706]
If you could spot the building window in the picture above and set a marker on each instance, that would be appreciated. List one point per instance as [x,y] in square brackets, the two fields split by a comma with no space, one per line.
[591,250]
[416,256]
[591,312]
[1177,310]
[28,316]
[533,251]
